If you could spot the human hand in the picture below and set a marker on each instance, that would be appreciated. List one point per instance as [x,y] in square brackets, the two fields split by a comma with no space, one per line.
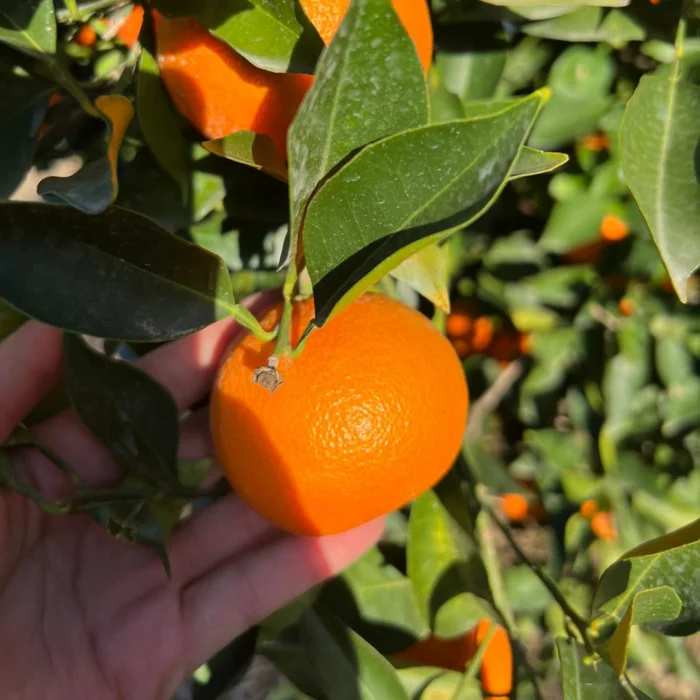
[83,615]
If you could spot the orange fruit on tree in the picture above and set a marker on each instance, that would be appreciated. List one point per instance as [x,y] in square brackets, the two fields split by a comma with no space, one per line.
[326,16]
[368,416]
[497,660]
[452,654]
[588,508]
[613,228]
[515,506]
[85,36]
[220,92]
[603,527]
[130,29]
[626,306]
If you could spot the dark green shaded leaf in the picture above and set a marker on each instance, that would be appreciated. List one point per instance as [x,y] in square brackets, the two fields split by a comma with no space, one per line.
[28,25]
[379,209]
[131,414]
[353,101]
[113,275]
[24,106]
[378,602]
[659,140]
[161,126]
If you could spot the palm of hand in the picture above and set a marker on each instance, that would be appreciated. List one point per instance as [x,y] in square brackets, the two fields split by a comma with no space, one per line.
[87,616]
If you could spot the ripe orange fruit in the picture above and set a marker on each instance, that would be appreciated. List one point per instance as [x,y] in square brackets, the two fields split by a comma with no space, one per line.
[596,142]
[505,346]
[497,661]
[602,526]
[85,36]
[626,307]
[326,16]
[218,90]
[368,416]
[588,253]
[588,508]
[613,228]
[459,323]
[515,506]
[452,654]
[129,31]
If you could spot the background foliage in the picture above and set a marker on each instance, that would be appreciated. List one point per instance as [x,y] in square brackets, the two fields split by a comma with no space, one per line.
[585,386]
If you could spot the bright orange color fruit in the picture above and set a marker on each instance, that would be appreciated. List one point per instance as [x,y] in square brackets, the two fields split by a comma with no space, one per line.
[453,654]
[220,92]
[85,36]
[626,307]
[515,506]
[613,228]
[497,661]
[596,142]
[368,416]
[588,508]
[603,527]
[326,16]
[129,31]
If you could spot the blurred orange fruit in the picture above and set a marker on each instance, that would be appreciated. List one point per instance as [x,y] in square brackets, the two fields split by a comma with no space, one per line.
[515,506]
[130,29]
[602,526]
[85,36]
[588,508]
[453,654]
[613,228]
[367,417]
[626,307]
[596,142]
[497,661]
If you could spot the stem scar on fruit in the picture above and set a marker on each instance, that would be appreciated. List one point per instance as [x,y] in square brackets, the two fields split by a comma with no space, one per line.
[268,377]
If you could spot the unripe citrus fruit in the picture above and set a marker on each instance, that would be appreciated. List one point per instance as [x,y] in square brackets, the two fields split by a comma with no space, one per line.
[220,92]
[326,16]
[367,417]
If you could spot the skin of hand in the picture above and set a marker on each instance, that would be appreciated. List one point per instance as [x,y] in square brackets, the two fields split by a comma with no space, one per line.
[83,615]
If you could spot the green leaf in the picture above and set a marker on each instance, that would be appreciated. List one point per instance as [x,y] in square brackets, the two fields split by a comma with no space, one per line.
[346,667]
[132,415]
[471,75]
[574,223]
[28,25]
[369,84]
[24,105]
[445,568]
[95,186]
[681,409]
[249,148]
[618,28]
[556,3]
[426,272]
[378,602]
[390,210]
[581,25]
[583,680]
[670,560]
[113,275]
[580,81]
[161,126]
[532,161]
[658,142]
[272,34]
[651,605]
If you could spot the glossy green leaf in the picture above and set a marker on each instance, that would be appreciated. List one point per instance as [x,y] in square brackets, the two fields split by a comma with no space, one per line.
[113,275]
[346,667]
[95,186]
[131,414]
[353,101]
[658,139]
[390,210]
[161,126]
[378,602]
[426,272]
[582,680]
[272,34]
[581,25]
[670,560]
[24,108]
[28,25]
[249,148]
[650,605]
[532,161]
[445,568]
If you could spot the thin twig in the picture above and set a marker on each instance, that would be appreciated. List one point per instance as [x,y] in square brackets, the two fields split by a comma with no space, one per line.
[492,397]
[580,624]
